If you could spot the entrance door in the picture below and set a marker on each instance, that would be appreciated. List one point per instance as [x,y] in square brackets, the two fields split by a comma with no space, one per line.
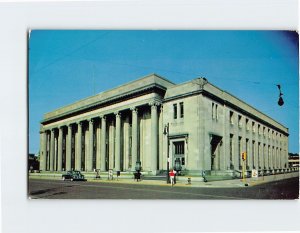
[179,152]
[215,145]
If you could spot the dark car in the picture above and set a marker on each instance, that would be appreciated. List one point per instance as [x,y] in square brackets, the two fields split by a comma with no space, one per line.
[73,175]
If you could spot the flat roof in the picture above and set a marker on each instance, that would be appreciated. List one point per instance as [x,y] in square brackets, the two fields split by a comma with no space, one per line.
[115,93]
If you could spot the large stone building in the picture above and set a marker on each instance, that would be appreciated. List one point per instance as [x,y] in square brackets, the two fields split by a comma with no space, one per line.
[208,130]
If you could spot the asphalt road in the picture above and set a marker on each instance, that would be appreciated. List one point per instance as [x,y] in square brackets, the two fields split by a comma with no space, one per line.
[57,189]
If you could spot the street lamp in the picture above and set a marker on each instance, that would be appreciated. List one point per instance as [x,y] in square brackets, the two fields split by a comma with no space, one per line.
[166,133]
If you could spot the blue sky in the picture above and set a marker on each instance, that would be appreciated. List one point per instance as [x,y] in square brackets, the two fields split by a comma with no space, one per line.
[66,66]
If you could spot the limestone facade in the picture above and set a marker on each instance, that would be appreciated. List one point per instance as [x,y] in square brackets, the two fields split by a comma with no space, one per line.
[208,130]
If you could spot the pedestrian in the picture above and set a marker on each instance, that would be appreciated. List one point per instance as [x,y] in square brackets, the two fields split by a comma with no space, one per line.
[175,174]
[172,175]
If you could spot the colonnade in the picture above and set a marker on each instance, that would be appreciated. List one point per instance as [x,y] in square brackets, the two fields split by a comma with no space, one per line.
[88,144]
[266,148]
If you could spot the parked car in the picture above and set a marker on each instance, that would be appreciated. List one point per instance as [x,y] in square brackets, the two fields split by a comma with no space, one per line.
[73,175]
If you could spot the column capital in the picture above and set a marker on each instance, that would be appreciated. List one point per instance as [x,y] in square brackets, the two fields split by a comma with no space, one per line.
[79,122]
[103,117]
[154,103]
[118,114]
[134,109]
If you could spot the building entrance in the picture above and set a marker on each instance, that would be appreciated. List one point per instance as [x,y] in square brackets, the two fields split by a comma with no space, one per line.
[215,146]
[179,152]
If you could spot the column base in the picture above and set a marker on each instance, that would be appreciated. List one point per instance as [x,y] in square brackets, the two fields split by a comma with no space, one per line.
[154,172]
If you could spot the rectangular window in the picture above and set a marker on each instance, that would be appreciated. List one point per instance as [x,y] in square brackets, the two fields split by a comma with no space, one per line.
[240,152]
[182,161]
[253,126]
[231,151]
[247,123]
[179,148]
[258,156]
[247,152]
[253,154]
[181,110]
[240,120]
[212,110]
[258,130]
[231,117]
[216,112]
[175,111]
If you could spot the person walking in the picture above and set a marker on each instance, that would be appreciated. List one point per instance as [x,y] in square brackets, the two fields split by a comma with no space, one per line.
[172,175]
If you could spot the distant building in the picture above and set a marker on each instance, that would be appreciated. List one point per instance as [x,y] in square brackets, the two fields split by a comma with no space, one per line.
[208,130]
[293,160]
[33,163]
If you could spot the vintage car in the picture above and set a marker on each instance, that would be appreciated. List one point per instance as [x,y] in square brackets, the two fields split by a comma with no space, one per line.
[73,175]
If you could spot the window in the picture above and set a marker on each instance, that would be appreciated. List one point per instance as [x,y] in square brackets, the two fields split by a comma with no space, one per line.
[181,110]
[247,152]
[253,126]
[247,123]
[179,148]
[240,121]
[258,156]
[175,111]
[231,117]
[258,130]
[214,111]
[240,152]
[231,151]
[264,131]
[182,161]
[253,154]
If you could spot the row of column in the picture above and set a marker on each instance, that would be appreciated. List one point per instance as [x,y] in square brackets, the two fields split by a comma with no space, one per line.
[263,153]
[48,144]
[260,154]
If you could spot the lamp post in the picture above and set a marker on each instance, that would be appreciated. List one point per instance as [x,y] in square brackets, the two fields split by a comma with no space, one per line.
[166,133]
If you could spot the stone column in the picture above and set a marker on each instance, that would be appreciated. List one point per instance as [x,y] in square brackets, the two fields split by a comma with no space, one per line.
[98,146]
[160,139]
[225,159]
[268,150]
[103,144]
[134,137]
[154,139]
[68,148]
[78,147]
[89,160]
[118,142]
[43,150]
[59,153]
[55,152]
[51,150]
[126,149]
[111,145]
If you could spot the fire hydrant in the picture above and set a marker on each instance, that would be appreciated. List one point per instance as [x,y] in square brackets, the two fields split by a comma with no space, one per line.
[189,180]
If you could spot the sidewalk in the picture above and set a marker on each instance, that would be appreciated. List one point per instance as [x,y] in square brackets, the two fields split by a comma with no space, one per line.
[182,181]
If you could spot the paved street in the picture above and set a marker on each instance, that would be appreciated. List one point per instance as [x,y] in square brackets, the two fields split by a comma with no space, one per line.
[57,189]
